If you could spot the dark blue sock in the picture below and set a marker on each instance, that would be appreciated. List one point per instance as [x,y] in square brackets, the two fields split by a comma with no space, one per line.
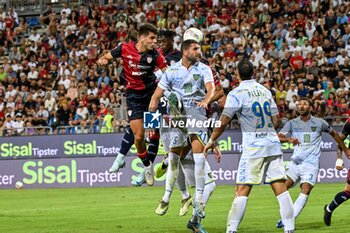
[153,149]
[127,142]
[338,199]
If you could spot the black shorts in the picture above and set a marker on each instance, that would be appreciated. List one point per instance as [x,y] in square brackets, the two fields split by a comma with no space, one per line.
[137,103]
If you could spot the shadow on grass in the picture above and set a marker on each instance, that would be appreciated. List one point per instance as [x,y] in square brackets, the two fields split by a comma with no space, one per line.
[309,225]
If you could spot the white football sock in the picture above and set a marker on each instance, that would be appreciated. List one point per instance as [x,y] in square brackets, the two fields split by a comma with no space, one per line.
[171,175]
[286,210]
[195,218]
[181,183]
[299,204]
[208,190]
[236,213]
[120,155]
[209,184]
[199,172]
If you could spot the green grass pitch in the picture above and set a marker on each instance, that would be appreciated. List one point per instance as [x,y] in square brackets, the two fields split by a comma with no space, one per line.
[131,210]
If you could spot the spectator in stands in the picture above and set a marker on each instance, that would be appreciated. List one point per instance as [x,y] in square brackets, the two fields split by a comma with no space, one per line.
[332,100]
[8,129]
[3,74]
[43,112]
[72,91]
[2,105]
[34,36]
[329,89]
[104,99]
[11,91]
[2,125]
[283,110]
[103,78]
[309,46]
[63,116]
[66,10]
[281,93]
[92,92]
[108,122]
[17,125]
[81,117]
[302,90]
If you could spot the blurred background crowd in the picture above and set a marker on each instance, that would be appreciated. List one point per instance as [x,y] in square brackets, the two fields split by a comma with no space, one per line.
[50,82]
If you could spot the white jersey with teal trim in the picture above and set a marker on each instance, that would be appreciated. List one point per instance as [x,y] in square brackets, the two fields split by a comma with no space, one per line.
[189,83]
[254,106]
[309,134]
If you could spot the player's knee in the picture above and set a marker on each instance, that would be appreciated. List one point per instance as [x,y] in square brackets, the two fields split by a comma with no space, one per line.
[139,138]
[185,150]
[306,189]
[347,193]
[243,190]
[177,151]
[347,189]
[289,183]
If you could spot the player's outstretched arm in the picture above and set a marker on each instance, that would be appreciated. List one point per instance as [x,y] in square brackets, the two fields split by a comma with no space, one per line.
[103,59]
[225,120]
[209,86]
[217,153]
[218,93]
[339,150]
[275,121]
[153,105]
[283,139]
[340,142]
[339,164]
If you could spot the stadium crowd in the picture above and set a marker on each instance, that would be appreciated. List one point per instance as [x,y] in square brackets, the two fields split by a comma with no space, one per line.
[49,76]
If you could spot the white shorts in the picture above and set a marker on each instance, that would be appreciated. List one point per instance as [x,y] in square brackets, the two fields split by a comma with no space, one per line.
[196,114]
[172,138]
[254,171]
[302,173]
[188,166]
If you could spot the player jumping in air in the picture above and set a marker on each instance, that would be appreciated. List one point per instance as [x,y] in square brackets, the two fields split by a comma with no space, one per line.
[139,62]
[193,81]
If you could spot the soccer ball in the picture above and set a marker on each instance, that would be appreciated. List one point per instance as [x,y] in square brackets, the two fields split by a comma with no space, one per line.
[193,34]
[19,185]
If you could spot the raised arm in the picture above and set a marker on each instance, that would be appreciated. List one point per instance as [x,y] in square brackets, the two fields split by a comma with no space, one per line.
[340,142]
[339,150]
[218,93]
[108,55]
[209,86]
[153,105]
[103,59]
[282,137]
[287,128]
[232,105]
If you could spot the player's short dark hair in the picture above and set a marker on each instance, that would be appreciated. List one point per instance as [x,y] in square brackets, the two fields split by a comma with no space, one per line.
[167,34]
[187,44]
[132,36]
[147,28]
[311,103]
[245,69]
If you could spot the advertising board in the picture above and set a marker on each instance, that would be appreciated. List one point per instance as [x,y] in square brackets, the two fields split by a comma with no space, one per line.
[92,171]
[107,145]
